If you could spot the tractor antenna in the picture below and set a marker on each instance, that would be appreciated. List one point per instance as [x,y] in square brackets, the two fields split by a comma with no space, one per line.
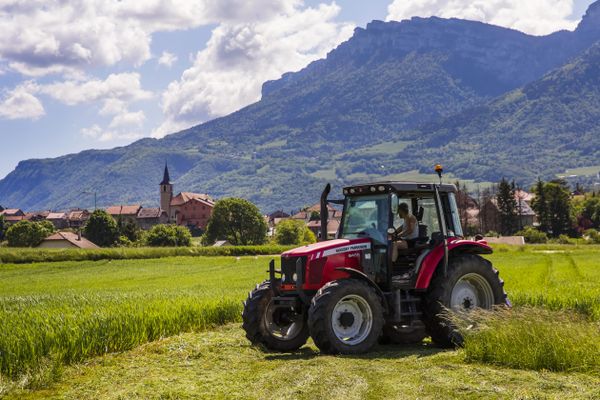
[439,169]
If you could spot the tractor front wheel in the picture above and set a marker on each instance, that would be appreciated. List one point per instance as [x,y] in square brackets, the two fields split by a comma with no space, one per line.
[276,328]
[345,317]
[471,283]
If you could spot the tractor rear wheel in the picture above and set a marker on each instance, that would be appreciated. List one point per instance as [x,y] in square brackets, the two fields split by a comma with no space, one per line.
[278,329]
[345,317]
[471,283]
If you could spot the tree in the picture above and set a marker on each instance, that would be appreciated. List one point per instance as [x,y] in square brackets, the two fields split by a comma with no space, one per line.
[591,211]
[130,230]
[101,229]
[507,206]
[26,234]
[168,236]
[237,221]
[540,206]
[558,198]
[291,231]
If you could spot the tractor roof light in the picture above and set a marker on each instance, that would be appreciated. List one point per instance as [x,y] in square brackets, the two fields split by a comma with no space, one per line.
[381,188]
[373,188]
[352,191]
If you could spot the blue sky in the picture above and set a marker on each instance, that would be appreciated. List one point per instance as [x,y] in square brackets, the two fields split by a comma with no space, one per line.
[102,73]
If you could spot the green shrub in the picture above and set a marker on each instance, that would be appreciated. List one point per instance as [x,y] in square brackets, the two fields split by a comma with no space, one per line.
[27,234]
[291,231]
[564,239]
[592,236]
[168,236]
[25,256]
[533,235]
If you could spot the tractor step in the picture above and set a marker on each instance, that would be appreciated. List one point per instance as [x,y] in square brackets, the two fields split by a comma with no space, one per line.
[402,281]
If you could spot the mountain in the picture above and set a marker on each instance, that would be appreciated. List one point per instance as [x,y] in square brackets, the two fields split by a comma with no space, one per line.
[395,97]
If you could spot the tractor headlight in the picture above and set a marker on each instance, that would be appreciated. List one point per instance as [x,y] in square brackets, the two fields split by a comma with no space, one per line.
[295,277]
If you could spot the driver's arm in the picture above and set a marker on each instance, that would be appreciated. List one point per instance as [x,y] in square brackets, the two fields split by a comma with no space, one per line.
[410,227]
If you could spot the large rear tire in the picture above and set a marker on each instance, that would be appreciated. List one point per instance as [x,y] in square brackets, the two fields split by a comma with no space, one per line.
[345,317]
[276,329]
[471,283]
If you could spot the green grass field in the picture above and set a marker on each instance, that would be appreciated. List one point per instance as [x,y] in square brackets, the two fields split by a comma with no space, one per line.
[55,314]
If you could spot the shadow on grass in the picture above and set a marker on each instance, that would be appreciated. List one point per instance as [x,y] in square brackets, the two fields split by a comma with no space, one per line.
[378,352]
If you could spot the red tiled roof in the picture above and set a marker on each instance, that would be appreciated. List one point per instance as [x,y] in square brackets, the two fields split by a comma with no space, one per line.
[57,215]
[75,215]
[72,238]
[124,210]
[12,212]
[185,197]
[150,213]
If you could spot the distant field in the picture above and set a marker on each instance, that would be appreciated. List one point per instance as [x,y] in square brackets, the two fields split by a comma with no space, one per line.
[67,312]
[583,171]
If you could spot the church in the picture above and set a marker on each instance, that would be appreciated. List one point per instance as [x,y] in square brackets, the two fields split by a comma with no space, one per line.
[188,209]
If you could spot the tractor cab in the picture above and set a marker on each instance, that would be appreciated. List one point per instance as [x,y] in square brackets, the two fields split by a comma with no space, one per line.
[371,211]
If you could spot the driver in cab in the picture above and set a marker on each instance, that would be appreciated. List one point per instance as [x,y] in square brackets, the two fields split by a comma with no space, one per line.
[409,231]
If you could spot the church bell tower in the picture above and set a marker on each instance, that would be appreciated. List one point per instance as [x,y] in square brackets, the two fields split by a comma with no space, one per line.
[166,192]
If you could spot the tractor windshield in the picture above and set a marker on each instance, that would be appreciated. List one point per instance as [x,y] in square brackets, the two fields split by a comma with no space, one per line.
[366,216]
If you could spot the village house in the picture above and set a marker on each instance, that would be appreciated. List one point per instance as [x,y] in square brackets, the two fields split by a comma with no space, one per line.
[36,216]
[188,209]
[125,214]
[12,215]
[489,214]
[67,240]
[77,218]
[311,217]
[148,217]
[58,219]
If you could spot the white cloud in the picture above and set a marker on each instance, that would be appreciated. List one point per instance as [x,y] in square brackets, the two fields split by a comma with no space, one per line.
[240,56]
[538,17]
[126,119]
[95,132]
[167,59]
[20,103]
[56,36]
[124,87]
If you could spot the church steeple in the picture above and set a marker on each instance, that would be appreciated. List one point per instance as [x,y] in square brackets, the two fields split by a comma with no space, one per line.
[166,192]
[166,179]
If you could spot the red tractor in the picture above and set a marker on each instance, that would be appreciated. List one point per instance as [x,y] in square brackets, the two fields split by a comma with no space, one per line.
[348,293]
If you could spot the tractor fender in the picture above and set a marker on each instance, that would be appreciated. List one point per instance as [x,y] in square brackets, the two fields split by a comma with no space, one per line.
[356,274]
[436,256]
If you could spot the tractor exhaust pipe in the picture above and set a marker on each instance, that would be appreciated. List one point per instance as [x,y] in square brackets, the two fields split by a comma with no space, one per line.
[324,213]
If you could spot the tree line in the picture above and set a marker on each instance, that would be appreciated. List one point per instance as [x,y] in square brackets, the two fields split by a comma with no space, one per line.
[560,211]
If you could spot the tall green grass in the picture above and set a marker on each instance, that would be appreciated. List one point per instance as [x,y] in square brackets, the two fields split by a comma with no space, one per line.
[553,277]
[53,314]
[10,255]
[531,338]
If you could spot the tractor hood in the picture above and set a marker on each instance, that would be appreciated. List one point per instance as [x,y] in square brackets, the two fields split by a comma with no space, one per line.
[329,247]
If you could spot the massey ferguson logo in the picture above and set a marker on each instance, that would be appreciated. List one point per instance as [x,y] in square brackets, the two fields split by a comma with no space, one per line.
[346,249]
[354,255]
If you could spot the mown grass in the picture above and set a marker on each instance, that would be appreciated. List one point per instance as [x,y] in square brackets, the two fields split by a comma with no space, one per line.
[28,255]
[221,364]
